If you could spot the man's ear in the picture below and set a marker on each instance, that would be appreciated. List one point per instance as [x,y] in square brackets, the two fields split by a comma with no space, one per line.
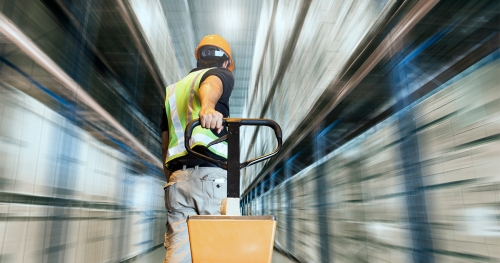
[225,64]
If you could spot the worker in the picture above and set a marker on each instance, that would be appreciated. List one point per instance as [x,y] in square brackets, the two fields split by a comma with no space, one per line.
[194,186]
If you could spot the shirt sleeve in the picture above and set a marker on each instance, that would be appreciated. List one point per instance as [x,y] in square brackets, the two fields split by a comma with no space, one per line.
[164,121]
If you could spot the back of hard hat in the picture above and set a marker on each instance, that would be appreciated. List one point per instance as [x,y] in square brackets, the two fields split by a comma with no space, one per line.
[216,41]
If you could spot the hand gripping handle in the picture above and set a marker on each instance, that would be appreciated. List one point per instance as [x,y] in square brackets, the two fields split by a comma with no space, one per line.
[238,122]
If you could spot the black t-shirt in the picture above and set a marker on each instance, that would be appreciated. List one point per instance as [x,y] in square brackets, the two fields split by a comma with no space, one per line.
[222,106]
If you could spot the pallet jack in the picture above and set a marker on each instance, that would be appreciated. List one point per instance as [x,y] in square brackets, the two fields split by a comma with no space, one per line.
[230,237]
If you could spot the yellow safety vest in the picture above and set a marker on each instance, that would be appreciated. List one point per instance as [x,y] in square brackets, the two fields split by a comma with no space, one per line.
[182,104]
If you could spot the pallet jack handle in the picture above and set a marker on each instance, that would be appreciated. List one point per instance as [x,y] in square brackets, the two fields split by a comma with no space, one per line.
[233,165]
[230,237]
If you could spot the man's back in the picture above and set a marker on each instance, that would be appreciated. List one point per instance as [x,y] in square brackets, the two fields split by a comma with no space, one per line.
[195,187]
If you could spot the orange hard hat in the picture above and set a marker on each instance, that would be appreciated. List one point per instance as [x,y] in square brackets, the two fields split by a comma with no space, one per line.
[216,41]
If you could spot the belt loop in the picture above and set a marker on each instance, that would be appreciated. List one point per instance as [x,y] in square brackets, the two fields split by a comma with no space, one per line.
[196,167]
[184,168]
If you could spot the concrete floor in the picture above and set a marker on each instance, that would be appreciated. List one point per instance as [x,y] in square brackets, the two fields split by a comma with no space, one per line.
[159,254]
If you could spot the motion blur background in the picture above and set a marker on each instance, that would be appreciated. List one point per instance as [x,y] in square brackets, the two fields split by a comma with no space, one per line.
[390,111]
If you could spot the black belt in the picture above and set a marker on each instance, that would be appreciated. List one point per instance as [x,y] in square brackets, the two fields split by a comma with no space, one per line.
[179,166]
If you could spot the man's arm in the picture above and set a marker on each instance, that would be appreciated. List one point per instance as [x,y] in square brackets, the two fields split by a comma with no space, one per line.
[164,150]
[210,92]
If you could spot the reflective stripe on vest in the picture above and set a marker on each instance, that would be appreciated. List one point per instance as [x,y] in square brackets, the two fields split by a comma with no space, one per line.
[180,111]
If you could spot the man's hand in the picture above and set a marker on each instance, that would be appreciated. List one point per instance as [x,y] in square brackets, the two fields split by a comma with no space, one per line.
[210,92]
[211,119]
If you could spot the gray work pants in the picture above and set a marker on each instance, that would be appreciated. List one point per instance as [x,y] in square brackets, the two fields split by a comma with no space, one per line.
[194,191]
